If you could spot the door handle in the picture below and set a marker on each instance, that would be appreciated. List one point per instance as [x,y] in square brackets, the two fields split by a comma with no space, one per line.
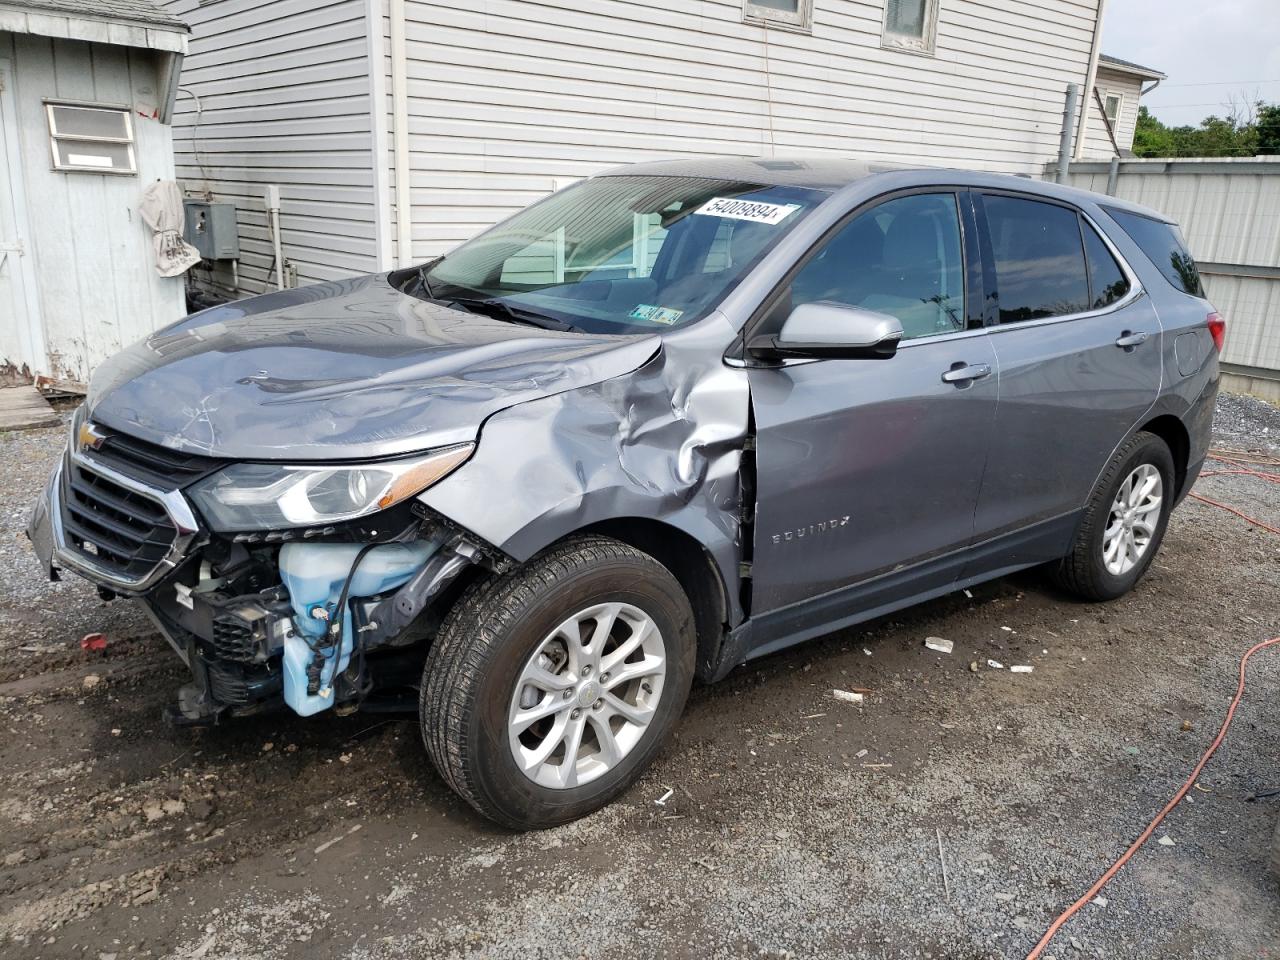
[962,373]
[1128,340]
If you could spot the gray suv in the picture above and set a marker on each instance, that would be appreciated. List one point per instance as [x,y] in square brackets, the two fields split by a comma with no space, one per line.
[672,418]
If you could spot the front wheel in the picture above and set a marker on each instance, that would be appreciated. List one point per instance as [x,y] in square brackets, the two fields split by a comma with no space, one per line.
[549,689]
[1123,522]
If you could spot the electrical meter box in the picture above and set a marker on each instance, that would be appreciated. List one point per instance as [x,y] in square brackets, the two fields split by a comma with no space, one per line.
[211,229]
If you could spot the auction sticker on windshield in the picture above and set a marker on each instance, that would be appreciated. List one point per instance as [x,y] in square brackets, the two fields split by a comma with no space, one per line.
[663,315]
[753,210]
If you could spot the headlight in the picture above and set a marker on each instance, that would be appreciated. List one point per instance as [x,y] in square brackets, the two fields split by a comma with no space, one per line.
[265,496]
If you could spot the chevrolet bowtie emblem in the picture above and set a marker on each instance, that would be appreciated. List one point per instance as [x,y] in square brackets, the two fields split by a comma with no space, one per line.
[89,438]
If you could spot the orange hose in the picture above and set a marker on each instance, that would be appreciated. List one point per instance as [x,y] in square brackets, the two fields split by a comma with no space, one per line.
[1242,516]
[1178,797]
[1146,834]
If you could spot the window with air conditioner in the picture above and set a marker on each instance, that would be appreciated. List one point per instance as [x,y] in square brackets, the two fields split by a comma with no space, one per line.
[91,138]
[910,25]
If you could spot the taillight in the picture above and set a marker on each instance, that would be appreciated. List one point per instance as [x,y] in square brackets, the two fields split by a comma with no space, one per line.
[1217,329]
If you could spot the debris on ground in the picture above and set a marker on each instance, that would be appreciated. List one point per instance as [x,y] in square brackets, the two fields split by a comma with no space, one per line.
[662,800]
[329,843]
[1021,668]
[93,642]
[939,644]
[1165,841]
[995,664]
[848,696]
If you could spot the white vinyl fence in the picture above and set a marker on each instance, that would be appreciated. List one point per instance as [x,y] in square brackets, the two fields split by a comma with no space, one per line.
[1229,210]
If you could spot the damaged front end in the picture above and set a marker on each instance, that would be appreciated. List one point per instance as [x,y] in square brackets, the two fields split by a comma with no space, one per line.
[245,567]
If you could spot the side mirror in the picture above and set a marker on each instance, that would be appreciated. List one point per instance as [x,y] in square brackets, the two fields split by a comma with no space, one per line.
[831,330]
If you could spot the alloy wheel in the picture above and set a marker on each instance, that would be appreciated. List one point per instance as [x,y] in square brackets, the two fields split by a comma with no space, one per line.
[587,695]
[1135,513]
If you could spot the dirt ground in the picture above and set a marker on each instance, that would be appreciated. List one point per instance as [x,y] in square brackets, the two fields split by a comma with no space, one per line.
[799,825]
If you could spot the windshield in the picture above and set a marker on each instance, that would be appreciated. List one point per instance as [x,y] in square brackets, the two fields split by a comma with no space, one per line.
[621,254]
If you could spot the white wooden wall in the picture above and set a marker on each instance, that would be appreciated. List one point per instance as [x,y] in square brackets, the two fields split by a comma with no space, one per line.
[1097,143]
[283,88]
[1229,211]
[98,289]
[506,96]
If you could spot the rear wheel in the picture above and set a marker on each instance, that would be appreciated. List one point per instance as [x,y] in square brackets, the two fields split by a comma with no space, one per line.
[549,690]
[1123,523]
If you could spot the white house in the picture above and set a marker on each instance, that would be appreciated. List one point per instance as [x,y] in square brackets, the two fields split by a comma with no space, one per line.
[86,93]
[1112,109]
[396,128]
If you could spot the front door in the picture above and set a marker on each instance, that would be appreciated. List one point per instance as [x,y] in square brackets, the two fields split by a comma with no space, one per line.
[1079,355]
[20,331]
[868,471]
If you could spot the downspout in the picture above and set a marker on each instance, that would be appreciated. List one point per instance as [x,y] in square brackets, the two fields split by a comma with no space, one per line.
[379,158]
[1091,78]
[400,122]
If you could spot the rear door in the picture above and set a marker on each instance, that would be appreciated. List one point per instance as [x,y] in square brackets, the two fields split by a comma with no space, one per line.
[1078,347]
[868,471]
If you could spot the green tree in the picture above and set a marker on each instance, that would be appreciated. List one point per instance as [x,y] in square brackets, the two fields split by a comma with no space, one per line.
[1151,138]
[1241,134]
[1268,123]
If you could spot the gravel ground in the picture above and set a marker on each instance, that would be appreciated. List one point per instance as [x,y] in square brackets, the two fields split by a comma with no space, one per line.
[799,826]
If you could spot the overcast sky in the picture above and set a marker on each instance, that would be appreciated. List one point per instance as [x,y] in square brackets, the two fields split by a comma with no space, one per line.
[1211,51]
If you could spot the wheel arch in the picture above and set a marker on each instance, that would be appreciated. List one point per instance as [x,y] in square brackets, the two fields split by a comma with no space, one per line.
[1174,433]
[693,566]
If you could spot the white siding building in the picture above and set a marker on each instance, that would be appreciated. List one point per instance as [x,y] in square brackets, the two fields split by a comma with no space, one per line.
[1119,86]
[397,128]
[86,90]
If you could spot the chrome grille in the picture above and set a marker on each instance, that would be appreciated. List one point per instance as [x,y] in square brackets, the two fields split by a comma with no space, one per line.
[120,531]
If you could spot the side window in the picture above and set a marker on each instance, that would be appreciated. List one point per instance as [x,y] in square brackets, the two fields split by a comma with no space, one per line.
[1162,243]
[902,258]
[1040,270]
[1107,282]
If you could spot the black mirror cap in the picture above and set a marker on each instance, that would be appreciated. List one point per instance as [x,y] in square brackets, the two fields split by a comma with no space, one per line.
[769,347]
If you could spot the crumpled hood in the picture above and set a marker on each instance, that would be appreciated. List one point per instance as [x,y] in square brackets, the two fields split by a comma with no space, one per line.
[344,370]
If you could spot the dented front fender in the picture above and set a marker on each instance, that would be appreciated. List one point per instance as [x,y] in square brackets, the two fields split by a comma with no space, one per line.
[662,443]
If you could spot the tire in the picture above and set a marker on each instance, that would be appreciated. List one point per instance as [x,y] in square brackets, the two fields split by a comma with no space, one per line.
[1084,571]
[476,679]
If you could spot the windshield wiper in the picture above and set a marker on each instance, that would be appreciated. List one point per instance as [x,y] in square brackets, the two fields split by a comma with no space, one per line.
[422,276]
[501,310]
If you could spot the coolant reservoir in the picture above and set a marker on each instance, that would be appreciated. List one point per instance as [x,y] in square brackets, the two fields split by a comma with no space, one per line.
[314,573]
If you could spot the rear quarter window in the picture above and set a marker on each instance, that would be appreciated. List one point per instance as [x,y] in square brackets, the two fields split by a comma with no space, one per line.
[1162,243]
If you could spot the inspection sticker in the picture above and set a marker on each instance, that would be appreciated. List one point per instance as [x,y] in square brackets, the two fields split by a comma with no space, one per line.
[734,209]
[663,315]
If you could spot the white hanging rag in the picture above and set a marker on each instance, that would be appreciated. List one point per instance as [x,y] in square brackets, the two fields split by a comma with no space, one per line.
[161,208]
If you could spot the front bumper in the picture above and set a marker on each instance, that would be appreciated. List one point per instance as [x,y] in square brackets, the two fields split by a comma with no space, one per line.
[40,525]
[221,603]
